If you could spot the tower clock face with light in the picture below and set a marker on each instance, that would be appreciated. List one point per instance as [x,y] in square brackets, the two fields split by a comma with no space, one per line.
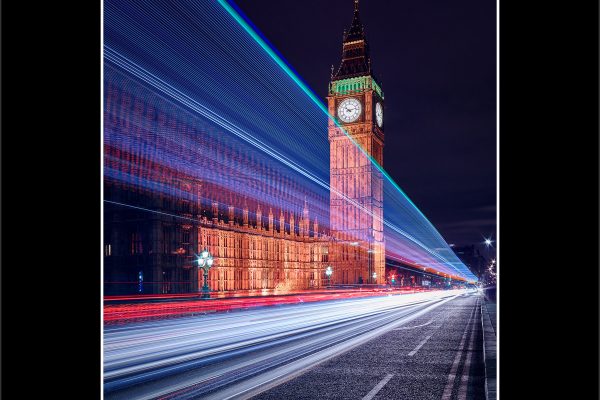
[379,114]
[349,110]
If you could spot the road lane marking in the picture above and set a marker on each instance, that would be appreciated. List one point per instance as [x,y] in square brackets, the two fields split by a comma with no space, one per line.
[412,353]
[416,326]
[378,387]
[464,380]
[264,381]
[452,376]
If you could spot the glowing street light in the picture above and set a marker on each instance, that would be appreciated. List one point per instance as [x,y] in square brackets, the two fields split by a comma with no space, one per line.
[374,277]
[205,261]
[488,243]
[328,272]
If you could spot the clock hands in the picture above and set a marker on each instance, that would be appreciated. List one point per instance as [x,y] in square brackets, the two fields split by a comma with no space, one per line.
[349,110]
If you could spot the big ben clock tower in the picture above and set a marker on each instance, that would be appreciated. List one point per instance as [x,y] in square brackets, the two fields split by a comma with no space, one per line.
[356,102]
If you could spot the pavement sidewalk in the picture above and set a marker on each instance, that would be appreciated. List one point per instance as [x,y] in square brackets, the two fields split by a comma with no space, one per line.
[488,321]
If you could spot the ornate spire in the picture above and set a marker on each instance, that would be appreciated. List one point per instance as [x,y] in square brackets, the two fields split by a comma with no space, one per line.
[355,57]
[357,30]
[215,211]
[270,227]
[305,221]
[245,213]
[258,217]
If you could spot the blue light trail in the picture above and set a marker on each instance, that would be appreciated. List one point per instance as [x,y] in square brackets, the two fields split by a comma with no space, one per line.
[191,89]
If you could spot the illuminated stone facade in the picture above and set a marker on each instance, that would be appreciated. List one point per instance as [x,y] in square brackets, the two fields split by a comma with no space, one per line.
[255,250]
[157,218]
[356,199]
[275,255]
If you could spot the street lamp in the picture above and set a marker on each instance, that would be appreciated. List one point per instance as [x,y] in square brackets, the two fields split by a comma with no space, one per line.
[488,243]
[328,272]
[375,277]
[205,261]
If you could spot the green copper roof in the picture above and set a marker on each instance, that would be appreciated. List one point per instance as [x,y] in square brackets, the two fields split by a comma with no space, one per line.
[354,85]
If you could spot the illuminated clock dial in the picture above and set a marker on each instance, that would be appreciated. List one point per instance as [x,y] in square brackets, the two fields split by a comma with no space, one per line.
[379,114]
[349,110]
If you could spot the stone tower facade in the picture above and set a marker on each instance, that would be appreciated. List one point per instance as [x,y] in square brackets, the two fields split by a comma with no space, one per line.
[356,102]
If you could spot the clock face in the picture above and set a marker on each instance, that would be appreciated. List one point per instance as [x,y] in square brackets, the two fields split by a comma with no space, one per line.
[379,114]
[349,110]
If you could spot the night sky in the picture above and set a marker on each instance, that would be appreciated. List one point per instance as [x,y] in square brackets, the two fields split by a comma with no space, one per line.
[436,61]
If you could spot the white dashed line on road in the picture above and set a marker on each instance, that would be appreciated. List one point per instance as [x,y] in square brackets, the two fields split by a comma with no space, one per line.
[412,353]
[378,387]
[416,326]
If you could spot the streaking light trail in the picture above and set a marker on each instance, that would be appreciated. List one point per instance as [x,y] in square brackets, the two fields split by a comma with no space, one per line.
[193,92]
[222,350]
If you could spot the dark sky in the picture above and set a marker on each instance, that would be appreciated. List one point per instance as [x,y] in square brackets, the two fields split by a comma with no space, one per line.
[436,61]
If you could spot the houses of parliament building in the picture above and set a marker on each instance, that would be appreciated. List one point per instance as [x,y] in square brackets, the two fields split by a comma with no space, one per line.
[152,237]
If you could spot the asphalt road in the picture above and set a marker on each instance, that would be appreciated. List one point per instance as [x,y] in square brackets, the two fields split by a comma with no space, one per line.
[436,356]
[407,346]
